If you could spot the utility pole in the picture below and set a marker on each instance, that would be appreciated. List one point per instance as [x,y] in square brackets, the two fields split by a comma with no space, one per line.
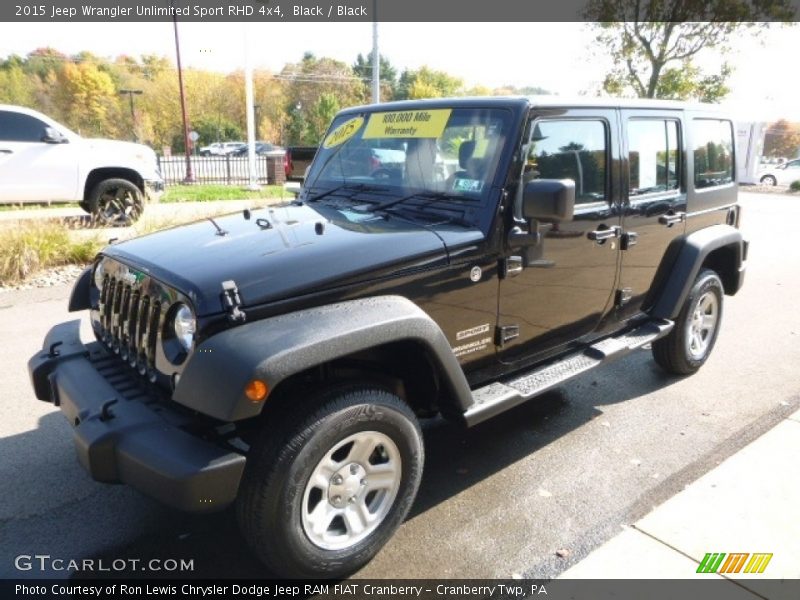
[376,58]
[189,174]
[250,109]
[130,94]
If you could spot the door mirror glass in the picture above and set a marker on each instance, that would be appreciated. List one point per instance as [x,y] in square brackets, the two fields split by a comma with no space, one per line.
[549,200]
[53,136]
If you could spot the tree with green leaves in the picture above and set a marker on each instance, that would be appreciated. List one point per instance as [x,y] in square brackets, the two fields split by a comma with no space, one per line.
[15,86]
[427,83]
[388,74]
[307,82]
[653,43]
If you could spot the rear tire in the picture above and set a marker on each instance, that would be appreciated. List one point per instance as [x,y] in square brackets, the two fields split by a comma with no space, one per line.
[322,493]
[115,203]
[769,180]
[689,344]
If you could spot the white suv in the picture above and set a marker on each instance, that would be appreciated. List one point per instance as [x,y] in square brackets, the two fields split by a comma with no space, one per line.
[43,161]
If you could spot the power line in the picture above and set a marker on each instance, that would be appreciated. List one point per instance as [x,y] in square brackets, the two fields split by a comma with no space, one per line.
[104,61]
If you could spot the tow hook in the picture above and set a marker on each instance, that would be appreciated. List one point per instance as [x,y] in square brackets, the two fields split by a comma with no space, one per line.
[105,412]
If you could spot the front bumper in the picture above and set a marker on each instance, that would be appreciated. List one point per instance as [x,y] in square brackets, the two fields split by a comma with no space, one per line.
[125,435]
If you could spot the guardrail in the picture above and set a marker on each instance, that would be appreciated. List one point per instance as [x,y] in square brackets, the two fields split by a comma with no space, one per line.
[227,170]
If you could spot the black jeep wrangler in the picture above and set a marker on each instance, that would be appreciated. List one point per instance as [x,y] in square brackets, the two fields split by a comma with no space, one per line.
[279,359]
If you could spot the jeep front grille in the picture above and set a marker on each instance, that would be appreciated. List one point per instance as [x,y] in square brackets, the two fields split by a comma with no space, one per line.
[129,320]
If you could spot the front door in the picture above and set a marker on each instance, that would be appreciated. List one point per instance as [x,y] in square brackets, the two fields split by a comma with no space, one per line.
[568,280]
[30,169]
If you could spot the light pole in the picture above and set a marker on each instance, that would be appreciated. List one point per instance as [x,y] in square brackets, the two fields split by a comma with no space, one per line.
[130,94]
[376,58]
[189,174]
[256,109]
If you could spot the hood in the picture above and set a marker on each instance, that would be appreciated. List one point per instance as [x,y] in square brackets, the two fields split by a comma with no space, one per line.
[280,252]
[121,151]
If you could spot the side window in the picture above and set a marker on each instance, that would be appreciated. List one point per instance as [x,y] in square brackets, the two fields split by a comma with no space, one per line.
[713,152]
[16,127]
[653,156]
[571,149]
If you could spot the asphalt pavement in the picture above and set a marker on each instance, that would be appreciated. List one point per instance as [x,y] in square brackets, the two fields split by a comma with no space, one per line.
[532,493]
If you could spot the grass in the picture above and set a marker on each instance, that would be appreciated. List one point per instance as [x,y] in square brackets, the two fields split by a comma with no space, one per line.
[208,193]
[34,246]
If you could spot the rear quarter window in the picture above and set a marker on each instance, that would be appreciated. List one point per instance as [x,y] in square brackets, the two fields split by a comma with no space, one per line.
[713,152]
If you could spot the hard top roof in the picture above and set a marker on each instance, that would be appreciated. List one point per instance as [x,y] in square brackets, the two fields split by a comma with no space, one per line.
[521,102]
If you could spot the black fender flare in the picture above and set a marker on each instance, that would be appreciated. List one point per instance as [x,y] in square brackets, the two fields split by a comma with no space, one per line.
[273,349]
[79,297]
[684,259]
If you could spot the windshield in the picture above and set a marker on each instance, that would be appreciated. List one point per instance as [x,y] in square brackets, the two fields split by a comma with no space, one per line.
[450,152]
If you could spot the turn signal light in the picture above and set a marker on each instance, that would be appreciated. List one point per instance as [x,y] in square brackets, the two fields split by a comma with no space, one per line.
[256,390]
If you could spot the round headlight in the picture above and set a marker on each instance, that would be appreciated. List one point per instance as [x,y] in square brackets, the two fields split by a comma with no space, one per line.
[184,326]
[99,273]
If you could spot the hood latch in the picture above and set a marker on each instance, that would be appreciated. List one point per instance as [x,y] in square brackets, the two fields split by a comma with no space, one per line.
[233,302]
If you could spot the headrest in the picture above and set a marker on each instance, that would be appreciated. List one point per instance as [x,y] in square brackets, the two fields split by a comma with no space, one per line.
[465,151]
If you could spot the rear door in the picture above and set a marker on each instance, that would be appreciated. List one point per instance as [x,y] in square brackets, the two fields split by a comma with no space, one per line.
[654,197]
[568,280]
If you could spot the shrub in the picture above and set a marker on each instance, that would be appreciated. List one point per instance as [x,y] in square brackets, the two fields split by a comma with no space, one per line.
[32,246]
[795,186]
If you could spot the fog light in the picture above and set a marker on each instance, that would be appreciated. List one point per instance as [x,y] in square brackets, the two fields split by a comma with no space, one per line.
[256,390]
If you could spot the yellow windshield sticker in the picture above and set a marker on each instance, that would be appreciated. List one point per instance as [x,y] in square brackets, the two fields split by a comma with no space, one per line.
[343,132]
[407,124]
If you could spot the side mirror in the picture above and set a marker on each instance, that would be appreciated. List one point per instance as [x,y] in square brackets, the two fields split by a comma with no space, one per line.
[549,200]
[53,136]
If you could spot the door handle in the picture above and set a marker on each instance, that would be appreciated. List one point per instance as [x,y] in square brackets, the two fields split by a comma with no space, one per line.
[6,151]
[601,235]
[671,219]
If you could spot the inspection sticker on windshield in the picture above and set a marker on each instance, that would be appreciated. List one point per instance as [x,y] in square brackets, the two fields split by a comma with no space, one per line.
[407,124]
[343,132]
[462,184]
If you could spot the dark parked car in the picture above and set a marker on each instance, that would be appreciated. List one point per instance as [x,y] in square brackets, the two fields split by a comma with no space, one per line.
[281,360]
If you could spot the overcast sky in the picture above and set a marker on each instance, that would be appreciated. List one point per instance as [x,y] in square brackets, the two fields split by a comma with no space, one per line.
[555,56]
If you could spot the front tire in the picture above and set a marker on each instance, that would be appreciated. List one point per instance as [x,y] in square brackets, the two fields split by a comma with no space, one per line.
[322,493]
[689,344]
[115,203]
[769,180]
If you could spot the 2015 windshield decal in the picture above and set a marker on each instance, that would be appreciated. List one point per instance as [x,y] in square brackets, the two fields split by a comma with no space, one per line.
[343,132]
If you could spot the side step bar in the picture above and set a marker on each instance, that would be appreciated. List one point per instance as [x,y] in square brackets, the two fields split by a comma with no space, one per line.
[502,395]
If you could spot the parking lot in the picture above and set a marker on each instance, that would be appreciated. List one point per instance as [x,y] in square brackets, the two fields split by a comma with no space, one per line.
[529,493]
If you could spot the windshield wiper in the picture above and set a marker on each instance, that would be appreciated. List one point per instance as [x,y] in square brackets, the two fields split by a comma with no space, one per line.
[423,194]
[353,187]
[434,219]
